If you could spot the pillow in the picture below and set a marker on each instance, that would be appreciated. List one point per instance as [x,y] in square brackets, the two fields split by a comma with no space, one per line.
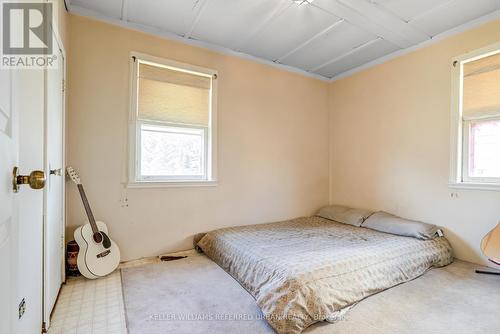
[196,239]
[385,222]
[343,214]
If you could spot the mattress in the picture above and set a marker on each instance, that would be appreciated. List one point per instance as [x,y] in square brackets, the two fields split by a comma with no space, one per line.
[312,269]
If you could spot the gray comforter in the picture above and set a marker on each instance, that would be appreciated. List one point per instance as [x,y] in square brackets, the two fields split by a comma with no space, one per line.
[312,269]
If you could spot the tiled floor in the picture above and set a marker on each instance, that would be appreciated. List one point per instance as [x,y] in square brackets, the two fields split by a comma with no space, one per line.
[95,306]
[90,307]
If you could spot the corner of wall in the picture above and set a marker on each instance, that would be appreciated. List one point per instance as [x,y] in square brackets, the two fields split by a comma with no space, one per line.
[330,152]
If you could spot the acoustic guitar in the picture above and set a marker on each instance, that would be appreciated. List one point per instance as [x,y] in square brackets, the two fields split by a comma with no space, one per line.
[490,245]
[98,255]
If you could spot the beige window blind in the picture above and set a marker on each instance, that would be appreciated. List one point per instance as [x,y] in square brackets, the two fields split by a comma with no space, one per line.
[172,96]
[481,88]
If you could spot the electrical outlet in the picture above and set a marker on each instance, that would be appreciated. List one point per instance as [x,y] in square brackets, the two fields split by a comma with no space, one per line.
[22,308]
[124,202]
[123,198]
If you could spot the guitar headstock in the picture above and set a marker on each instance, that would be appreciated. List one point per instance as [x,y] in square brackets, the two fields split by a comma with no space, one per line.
[73,175]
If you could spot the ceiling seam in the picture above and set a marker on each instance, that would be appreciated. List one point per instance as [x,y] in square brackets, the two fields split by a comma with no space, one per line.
[124,11]
[403,37]
[307,42]
[280,9]
[346,20]
[391,12]
[389,20]
[364,27]
[431,10]
[388,10]
[350,52]
[189,33]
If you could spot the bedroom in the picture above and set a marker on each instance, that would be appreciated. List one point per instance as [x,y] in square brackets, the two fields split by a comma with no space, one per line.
[292,106]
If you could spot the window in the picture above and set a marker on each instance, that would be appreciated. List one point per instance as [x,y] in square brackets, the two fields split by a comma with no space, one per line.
[173,123]
[476,120]
[482,154]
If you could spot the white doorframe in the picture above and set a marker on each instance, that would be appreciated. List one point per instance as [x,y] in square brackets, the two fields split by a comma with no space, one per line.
[63,51]
[46,309]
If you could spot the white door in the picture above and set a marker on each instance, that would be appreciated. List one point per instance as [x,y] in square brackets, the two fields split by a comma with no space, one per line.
[26,97]
[8,221]
[54,190]
[21,214]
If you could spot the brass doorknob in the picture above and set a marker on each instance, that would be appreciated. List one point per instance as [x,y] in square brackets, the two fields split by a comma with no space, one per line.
[36,180]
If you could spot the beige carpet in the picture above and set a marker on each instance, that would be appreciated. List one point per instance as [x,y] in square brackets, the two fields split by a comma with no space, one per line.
[194,295]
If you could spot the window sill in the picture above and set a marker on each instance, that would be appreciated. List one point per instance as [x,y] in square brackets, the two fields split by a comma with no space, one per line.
[172,184]
[475,186]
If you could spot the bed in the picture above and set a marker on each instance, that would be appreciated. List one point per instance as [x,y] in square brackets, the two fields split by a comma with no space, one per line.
[313,269]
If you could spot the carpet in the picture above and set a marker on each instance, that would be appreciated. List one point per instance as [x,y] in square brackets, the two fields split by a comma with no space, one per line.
[194,295]
[188,296]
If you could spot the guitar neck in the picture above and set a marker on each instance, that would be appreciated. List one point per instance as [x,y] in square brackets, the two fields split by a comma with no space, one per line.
[86,205]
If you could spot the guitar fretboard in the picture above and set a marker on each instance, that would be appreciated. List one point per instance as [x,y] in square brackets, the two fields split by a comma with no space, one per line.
[86,205]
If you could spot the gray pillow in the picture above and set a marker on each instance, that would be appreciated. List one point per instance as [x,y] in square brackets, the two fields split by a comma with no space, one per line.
[344,214]
[197,237]
[385,222]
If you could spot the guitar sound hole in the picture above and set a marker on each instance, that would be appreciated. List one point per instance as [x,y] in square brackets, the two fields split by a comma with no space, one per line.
[98,237]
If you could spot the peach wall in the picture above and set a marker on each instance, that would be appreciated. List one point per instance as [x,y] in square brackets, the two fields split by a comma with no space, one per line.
[273,143]
[390,135]
[388,143]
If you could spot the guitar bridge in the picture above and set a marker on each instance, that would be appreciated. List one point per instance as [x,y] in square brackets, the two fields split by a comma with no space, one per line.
[103,254]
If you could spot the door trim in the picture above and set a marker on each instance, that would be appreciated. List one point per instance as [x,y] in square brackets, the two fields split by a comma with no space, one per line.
[45,312]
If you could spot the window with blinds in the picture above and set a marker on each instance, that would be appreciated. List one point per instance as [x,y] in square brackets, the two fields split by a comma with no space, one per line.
[173,115]
[480,117]
[481,88]
[171,96]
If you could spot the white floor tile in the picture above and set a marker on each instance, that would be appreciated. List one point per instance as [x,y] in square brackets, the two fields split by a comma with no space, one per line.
[90,307]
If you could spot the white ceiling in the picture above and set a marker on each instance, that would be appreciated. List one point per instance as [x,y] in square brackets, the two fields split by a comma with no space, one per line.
[327,38]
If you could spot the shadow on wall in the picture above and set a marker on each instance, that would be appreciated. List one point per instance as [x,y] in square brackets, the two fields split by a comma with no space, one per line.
[466,248]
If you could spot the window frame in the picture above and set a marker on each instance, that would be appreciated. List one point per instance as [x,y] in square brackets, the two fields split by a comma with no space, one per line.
[134,129]
[460,128]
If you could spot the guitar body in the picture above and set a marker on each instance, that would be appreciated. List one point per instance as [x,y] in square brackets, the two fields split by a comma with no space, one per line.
[94,260]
